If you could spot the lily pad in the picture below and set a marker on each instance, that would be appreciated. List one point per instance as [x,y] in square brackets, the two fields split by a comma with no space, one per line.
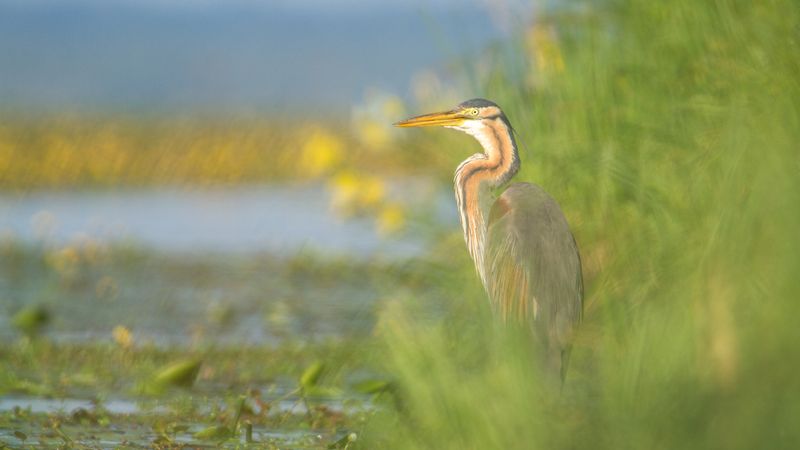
[311,375]
[181,373]
[30,320]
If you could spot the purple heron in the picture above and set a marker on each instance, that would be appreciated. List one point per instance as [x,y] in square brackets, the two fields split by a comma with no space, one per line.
[523,249]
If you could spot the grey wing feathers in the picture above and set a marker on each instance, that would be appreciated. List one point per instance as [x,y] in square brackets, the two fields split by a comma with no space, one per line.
[532,263]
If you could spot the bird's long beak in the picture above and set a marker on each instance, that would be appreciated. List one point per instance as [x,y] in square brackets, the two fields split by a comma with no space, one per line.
[440,119]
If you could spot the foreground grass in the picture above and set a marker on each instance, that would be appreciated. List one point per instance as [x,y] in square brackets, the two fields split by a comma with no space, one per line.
[669,133]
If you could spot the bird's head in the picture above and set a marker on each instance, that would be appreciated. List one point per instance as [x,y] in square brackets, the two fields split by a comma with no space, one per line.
[472,116]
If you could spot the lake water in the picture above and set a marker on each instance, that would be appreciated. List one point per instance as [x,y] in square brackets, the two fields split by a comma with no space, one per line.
[217,265]
[274,219]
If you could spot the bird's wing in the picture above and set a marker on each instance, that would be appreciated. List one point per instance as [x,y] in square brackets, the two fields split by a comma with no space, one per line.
[533,269]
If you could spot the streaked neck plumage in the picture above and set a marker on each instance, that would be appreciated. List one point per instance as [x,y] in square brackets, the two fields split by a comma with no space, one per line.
[478,175]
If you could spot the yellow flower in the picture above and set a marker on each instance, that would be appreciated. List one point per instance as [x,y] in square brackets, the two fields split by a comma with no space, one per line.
[372,120]
[122,336]
[372,191]
[543,45]
[391,219]
[355,192]
[321,152]
[393,106]
[64,261]
[344,187]
[372,133]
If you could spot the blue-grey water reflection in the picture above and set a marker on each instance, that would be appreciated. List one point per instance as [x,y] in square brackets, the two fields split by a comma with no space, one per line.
[222,267]
[274,219]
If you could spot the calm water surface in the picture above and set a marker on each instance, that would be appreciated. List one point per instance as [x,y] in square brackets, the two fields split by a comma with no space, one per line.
[273,219]
[216,262]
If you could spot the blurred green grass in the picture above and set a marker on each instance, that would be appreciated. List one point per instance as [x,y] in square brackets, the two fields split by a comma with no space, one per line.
[669,133]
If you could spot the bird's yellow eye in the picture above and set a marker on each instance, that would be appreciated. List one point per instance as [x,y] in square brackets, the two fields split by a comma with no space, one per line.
[473,112]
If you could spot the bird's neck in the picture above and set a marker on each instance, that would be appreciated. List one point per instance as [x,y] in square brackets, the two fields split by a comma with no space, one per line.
[478,175]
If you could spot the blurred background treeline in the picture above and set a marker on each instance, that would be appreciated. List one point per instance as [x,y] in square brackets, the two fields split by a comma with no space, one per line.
[185,227]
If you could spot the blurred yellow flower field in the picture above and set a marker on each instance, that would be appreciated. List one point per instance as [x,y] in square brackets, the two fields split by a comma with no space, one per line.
[89,152]
[354,161]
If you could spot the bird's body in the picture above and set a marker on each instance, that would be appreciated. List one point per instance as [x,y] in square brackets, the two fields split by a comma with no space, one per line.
[526,229]
[521,244]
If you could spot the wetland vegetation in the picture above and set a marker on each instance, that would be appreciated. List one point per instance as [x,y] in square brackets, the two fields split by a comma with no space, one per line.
[669,134]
